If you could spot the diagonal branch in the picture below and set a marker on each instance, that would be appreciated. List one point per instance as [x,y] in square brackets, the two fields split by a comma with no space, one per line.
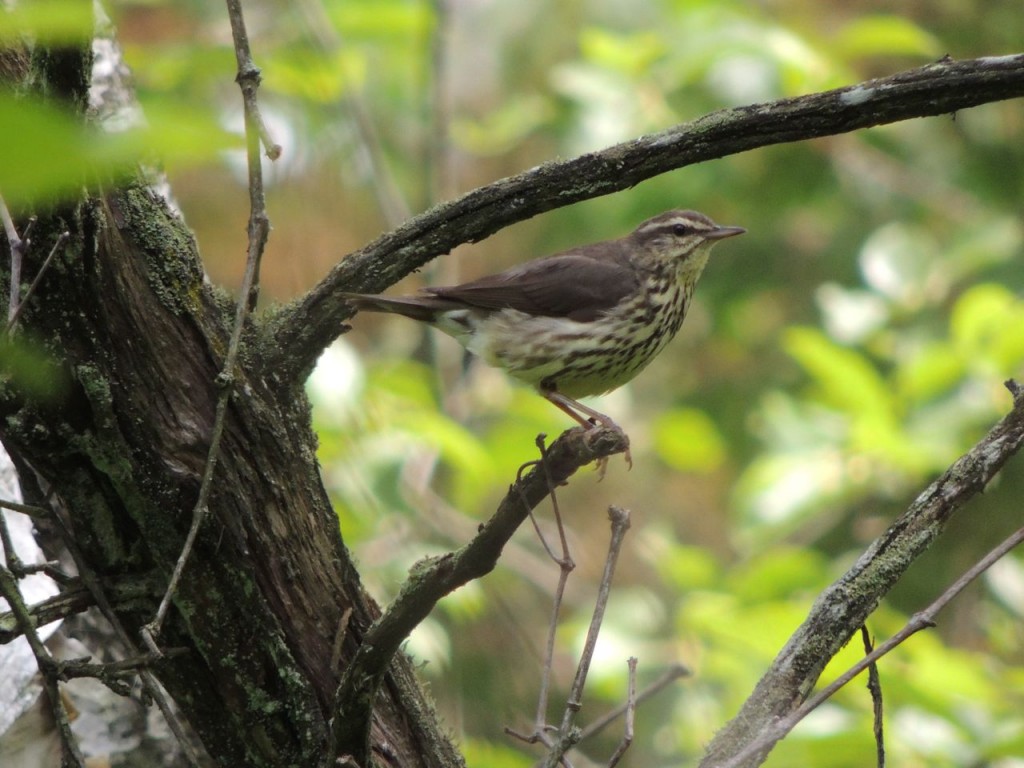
[302,331]
[842,609]
[925,619]
[432,579]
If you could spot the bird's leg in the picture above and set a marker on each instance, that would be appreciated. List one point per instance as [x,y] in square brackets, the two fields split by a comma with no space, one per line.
[574,408]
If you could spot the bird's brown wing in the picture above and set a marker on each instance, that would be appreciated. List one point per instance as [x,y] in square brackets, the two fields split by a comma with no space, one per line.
[567,285]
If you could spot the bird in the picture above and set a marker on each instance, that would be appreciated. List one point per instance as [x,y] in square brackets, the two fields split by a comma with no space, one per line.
[578,323]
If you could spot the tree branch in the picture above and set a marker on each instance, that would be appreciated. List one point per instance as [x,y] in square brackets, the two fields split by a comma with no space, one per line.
[919,621]
[433,578]
[843,608]
[302,331]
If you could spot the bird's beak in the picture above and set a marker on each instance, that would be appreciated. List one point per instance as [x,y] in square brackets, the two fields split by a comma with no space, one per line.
[723,232]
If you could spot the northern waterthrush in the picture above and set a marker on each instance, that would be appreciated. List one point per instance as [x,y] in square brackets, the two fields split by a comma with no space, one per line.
[582,322]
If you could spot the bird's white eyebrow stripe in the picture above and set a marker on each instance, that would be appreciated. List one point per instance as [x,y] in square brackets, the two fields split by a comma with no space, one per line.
[659,225]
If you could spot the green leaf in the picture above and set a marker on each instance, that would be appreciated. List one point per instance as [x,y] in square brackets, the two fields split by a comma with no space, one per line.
[381,19]
[629,54]
[987,324]
[845,377]
[778,575]
[44,154]
[688,440]
[887,36]
[47,153]
[312,75]
[930,371]
[46,21]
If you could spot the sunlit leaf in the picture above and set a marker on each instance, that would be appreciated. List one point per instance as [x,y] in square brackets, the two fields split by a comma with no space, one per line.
[844,376]
[47,153]
[504,127]
[180,69]
[377,19]
[688,440]
[887,36]
[629,54]
[929,371]
[685,567]
[781,574]
[988,322]
[47,21]
[311,74]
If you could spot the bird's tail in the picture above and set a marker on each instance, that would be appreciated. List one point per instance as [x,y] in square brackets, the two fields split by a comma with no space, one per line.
[423,308]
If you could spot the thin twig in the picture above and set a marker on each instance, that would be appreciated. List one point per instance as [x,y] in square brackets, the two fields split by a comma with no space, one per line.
[259,229]
[11,555]
[12,322]
[73,598]
[554,500]
[71,753]
[18,248]
[568,734]
[670,675]
[565,568]
[150,684]
[631,700]
[922,620]
[24,509]
[875,689]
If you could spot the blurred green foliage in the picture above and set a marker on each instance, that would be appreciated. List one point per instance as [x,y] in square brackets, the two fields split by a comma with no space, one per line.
[837,358]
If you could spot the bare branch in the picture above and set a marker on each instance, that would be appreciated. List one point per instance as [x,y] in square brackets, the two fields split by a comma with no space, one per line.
[71,753]
[630,709]
[12,322]
[73,599]
[24,509]
[568,733]
[877,700]
[670,675]
[18,248]
[433,578]
[565,567]
[302,331]
[842,608]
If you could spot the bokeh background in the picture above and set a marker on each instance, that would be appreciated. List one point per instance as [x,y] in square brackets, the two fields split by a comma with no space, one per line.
[838,357]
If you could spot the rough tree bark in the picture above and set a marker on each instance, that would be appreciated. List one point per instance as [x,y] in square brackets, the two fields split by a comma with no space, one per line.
[270,608]
[139,340]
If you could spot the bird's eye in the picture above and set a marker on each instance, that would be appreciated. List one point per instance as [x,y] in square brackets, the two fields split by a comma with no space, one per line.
[679,230]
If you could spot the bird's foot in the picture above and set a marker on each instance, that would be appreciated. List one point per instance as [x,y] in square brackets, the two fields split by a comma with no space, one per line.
[602,463]
[590,420]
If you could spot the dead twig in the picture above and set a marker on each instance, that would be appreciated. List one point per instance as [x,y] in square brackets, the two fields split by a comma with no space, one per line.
[259,230]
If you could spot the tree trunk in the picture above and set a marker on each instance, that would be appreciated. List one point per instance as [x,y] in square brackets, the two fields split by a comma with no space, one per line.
[270,607]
